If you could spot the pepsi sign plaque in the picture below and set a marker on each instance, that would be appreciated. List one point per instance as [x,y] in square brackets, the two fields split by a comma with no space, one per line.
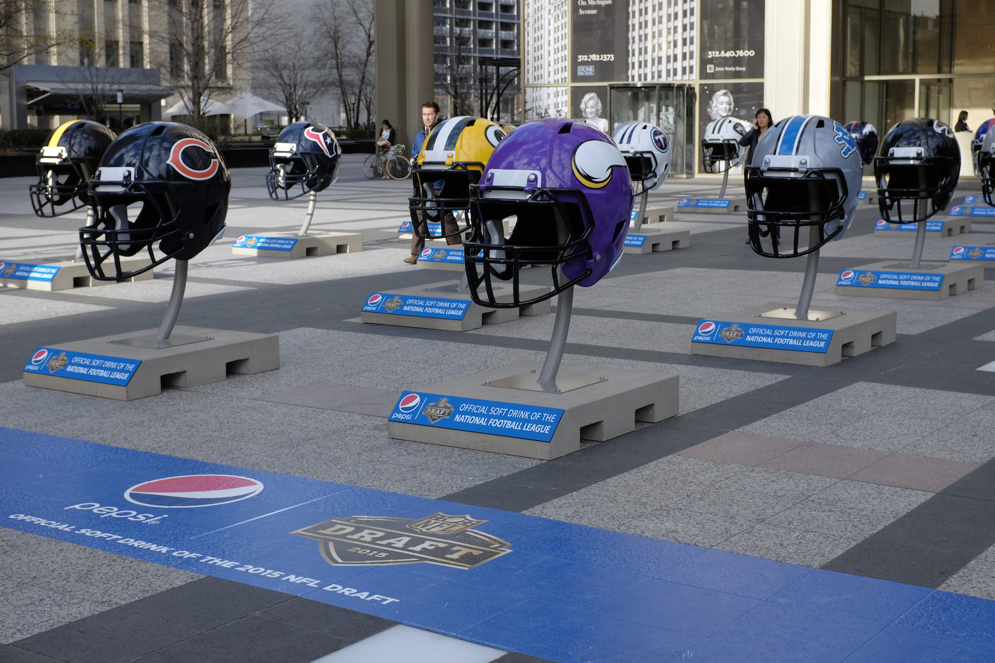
[81,366]
[777,337]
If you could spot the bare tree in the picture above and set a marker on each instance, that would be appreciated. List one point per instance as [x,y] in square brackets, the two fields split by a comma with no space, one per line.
[459,69]
[206,41]
[19,39]
[94,87]
[347,32]
[295,80]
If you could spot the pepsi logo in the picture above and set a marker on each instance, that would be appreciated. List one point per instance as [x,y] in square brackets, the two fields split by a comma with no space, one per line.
[240,240]
[193,490]
[38,358]
[881,223]
[706,328]
[847,275]
[374,300]
[409,403]
[967,199]
[958,251]
[683,200]
[955,208]
[426,253]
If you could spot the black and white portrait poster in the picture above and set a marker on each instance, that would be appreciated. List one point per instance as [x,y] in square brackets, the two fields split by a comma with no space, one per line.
[740,101]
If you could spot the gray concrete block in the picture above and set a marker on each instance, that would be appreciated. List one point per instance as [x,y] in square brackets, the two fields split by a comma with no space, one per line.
[313,244]
[598,412]
[958,278]
[855,332]
[475,316]
[657,214]
[950,228]
[660,239]
[70,275]
[186,365]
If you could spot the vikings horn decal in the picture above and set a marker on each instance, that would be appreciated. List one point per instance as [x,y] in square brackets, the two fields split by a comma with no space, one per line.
[494,135]
[318,137]
[176,160]
[593,161]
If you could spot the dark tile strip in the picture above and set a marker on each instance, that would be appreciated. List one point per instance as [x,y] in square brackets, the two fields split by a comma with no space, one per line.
[932,542]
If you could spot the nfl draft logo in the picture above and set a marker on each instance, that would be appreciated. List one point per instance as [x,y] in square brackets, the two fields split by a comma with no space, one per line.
[958,253]
[847,276]
[39,357]
[707,329]
[374,300]
[409,403]
[193,490]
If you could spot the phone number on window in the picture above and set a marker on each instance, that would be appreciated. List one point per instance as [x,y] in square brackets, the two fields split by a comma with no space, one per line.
[596,58]
[731,54]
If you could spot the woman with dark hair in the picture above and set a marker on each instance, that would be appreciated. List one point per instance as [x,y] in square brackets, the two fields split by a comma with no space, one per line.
[387,137]
[761,124]
[962,122]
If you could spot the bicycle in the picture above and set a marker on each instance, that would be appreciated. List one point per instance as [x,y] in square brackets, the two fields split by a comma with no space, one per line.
[389,165]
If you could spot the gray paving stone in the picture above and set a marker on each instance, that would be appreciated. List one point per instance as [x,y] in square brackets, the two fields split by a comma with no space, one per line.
[784,544]
[684,526]
[975,579]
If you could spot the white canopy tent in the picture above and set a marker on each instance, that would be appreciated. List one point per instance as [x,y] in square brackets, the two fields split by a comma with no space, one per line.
[213,108]
[247,105]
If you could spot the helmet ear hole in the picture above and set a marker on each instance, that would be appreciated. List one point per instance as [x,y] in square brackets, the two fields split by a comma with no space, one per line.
[209,213]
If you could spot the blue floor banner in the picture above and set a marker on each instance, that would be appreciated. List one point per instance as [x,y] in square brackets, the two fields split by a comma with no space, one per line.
[527,422]
[897,280]
[417,306]
[972,253]
[82,366]
[763,335]
[22,271]
[265,243]
[707,203]
[516,582]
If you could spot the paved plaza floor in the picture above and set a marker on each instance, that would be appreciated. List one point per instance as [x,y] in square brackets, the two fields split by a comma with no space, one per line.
[788,513]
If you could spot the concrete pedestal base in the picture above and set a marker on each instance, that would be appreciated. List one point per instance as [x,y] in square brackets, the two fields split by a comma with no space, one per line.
[656,240]
[855,332]
[958,278]
[475,316]
[312,244]
[61,273]
[600,411]
[712,205]
[938,228]
[186,365]
[657,214]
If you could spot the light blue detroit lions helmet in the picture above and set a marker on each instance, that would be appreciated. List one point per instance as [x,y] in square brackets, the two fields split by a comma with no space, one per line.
[806,173]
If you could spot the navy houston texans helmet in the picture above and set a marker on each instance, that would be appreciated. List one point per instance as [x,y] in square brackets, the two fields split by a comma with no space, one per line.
[162,188]
[979,141]
[65,165]
[646,151]
[806,174]
[555,193]
[305,158]
[867,139]
[720,148]
[919,163]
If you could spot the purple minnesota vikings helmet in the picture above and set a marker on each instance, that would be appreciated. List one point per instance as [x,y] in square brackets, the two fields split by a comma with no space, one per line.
[555,193]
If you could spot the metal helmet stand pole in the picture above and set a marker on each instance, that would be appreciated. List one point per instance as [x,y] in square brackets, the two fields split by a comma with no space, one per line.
[89,222]
[920,239]
[561,327]
[312,199]
[725,180]
[463,287]
[811,273]
[175,302]
[642,210]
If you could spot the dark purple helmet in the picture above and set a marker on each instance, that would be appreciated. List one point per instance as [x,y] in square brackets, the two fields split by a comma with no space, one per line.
[162,188]
[867,139]
[919,163]
[555,193]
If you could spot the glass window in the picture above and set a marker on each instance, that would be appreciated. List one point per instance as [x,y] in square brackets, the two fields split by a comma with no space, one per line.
[110,53]
[973,50]
[137,55]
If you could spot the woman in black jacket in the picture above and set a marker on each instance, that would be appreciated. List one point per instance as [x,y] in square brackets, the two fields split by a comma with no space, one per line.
[761,124]
[388,137]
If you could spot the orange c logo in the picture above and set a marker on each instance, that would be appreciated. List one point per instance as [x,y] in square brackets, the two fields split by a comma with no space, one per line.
[186,171]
